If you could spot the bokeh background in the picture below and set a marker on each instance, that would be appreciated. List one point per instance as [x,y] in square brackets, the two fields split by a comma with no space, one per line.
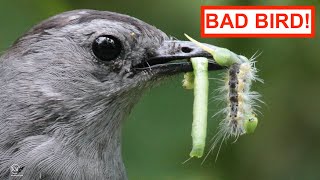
[156,137]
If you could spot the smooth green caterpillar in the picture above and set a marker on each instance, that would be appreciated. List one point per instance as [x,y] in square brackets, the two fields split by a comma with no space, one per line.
[188,80]
[240,101]
[223,56]
[199,81]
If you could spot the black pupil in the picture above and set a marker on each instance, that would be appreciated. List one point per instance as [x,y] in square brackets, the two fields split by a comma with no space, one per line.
[106,48]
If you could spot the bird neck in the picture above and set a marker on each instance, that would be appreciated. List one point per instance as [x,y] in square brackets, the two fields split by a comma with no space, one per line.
[96,138]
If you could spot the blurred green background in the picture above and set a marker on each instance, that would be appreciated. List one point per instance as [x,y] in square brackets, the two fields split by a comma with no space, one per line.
[156,140]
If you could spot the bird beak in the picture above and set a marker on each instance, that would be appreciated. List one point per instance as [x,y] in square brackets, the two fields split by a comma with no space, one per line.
[174,56]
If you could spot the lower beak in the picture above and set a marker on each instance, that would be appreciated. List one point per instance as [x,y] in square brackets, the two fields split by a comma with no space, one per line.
[173,57]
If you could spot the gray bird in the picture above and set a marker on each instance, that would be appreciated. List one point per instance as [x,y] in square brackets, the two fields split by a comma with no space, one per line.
[67,85]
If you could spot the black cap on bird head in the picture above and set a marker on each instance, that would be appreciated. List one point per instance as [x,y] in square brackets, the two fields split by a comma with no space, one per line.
[67,84]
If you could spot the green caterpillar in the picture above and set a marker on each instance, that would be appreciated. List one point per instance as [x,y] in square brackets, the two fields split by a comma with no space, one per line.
[198,79]
[239,112]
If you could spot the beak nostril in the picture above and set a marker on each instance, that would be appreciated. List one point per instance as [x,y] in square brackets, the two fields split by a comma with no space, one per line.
[186,49]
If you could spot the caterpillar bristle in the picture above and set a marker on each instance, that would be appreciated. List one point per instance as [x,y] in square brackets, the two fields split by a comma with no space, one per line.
[255,56]
[220,137]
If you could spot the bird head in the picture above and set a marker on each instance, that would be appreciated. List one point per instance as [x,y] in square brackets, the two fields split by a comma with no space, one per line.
[67,84]
[106,47]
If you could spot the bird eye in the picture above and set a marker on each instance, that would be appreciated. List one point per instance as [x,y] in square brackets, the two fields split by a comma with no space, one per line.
[106,47]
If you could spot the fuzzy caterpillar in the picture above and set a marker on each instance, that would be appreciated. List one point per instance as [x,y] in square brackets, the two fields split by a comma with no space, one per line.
[241,102]
[240,110]
[240,118]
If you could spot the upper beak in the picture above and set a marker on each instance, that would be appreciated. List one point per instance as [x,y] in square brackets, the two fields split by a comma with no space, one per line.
[163,59]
